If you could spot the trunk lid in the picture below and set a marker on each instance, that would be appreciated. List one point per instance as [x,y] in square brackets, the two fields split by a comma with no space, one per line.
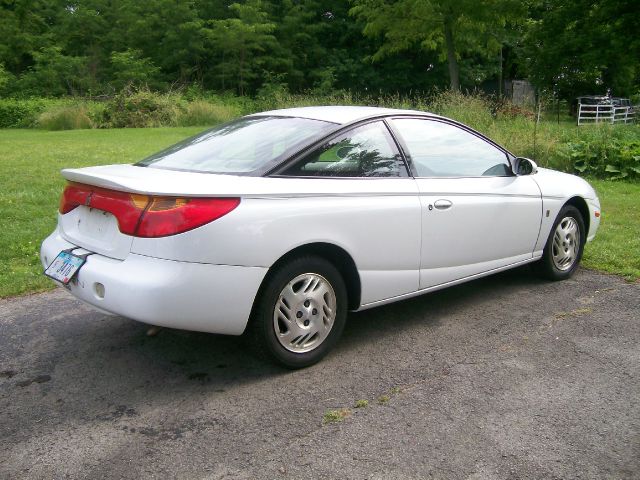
[156,181]
[98,231]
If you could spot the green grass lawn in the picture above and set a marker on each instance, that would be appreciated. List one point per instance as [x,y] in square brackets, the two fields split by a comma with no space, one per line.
[30,162]
[616,248]
[30,181]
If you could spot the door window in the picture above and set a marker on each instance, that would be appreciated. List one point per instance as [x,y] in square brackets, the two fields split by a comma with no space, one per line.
[364,151]
[439,149]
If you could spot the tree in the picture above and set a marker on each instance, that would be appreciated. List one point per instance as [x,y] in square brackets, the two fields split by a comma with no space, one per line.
[579,47]
[169,33]
[455,28]
[242,42]
[129,67]
[5,78]
[23,28]
[301,34]
[56,74]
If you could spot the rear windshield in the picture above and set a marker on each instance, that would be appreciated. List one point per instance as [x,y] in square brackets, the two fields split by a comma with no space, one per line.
[246,145]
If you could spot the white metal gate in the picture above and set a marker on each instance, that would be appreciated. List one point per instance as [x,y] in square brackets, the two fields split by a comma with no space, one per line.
[604,113]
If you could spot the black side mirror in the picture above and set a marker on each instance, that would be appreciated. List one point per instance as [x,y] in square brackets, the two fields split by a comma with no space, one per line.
[524,166]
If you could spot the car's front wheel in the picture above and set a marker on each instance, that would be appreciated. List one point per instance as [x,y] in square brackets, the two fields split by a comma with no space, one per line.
[300,312]
[565,245]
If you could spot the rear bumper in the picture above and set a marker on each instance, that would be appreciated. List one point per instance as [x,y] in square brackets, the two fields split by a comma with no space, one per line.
[185,295]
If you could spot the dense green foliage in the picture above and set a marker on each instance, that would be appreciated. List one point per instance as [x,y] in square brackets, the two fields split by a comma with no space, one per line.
[602,151]
[25,113]
[472,30]
[580,46]
[20,113]
[607,152]
[98,47]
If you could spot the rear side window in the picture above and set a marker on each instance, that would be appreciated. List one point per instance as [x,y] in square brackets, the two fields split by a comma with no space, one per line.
[364,151]
[439,149]
[243,146]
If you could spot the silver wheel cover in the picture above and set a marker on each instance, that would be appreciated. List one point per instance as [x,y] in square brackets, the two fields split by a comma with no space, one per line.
[566,244]
[304,313]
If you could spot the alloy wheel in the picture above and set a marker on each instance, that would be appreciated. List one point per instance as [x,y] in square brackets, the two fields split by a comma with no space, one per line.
[304,313]
[566,244]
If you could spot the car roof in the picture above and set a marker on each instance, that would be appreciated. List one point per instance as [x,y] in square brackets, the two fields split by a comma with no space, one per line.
[339,114]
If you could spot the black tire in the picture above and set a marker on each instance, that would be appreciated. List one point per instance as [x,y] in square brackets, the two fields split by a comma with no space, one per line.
[269,334]
[548,266]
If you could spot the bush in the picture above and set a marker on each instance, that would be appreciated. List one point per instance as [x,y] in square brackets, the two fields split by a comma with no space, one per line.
[6,78]
[605,157]
[65,118]
[203,113]
[130,68]
[273,93]
[15,113]
[139,108]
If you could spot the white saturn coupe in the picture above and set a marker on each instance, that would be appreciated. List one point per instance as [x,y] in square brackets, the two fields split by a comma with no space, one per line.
[280,222]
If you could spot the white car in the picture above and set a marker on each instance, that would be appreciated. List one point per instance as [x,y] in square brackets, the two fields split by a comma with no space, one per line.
[280,222]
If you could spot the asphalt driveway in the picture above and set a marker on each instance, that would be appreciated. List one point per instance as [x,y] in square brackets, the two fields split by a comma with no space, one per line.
[505,377]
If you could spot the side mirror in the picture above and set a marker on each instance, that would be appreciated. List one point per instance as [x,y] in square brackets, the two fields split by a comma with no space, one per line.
[524,166]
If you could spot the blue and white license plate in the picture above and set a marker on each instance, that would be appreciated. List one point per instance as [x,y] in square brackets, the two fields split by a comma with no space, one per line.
[64,267]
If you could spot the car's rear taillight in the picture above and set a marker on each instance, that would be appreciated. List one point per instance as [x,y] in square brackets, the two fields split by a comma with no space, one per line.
[169,215]
[147,215]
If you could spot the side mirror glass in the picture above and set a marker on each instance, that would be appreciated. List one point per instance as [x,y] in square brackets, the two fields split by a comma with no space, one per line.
[524,166]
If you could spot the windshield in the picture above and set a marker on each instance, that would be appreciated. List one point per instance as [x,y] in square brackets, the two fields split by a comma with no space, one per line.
[241,146]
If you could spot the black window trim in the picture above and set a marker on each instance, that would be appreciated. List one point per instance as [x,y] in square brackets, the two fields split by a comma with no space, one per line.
[291,151]
[278,171]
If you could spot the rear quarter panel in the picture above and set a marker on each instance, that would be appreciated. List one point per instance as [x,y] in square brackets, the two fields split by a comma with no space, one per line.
[377,222]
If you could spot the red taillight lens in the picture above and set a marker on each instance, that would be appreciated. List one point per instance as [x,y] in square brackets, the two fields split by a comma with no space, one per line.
[126,207]
[144,215]
[72,196]
[168,216]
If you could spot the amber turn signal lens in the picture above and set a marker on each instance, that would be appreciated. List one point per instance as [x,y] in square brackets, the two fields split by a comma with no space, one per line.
[159,204]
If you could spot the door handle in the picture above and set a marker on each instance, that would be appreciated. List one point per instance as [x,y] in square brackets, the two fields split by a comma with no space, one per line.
[442,204]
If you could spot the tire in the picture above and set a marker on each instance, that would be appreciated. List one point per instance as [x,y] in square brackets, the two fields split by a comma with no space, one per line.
[300,312]
[563,250]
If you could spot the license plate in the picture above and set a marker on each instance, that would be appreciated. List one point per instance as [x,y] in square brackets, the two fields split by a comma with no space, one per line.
[64,267]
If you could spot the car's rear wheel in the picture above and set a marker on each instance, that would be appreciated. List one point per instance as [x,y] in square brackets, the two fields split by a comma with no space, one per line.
[565,245]
[300,312]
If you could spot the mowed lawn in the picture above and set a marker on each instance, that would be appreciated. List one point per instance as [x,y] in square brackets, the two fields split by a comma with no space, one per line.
[30,181]
[30,162]
[616,248]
